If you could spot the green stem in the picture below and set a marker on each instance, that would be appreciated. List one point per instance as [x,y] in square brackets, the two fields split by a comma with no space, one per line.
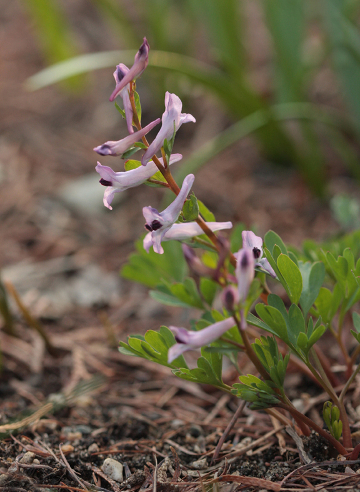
[354,355]
[249,350]
[347,385]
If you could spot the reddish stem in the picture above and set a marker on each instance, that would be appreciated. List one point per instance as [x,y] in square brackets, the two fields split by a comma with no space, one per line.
[295,413]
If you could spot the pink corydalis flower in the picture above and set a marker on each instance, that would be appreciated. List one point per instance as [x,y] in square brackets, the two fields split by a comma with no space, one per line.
[121,181]
[255,243]
[191,340]
[140,63]
[244,272]
[187,230]
[172,119]
[118,147]
[158,223]
[120,72]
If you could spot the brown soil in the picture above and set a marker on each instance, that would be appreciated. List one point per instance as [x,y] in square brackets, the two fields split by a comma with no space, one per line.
[163,430]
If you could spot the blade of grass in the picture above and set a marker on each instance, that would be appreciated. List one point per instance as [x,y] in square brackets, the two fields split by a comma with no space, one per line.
[52,29]
[286,22]
[6,312]
[31,321]
[332,119]
[344,39]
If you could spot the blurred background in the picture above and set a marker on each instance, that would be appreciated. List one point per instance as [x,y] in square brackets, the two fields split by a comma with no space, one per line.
[274,87]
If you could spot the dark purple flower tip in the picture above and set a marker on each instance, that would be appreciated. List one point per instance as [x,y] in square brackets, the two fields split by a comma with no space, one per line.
[104,182]
[230,297]
[244,261]
[103,149]
[144,48]
[154,226]
[120,74]
[256,252]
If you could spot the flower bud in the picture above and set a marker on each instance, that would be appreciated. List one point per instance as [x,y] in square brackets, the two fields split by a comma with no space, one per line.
[230,298]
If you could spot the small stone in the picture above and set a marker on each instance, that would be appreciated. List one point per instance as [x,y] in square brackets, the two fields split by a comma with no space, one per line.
[200,464]
[72,436]
[84,429]
[113,469]
[67,448]
[28,458]
[195,430]
[177,423]
[36,462]
[93,448]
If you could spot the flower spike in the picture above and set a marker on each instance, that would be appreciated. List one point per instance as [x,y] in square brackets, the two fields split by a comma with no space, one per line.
[172,119]
[187,230]
[119,147]
[191,340]
[159,223]
[121,181]
[140,63]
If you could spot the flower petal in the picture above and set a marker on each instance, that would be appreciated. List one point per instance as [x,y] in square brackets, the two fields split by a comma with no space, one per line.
[172,119]
[172,212]
[187,230]
[120,72]
[140,63]
[160,223]
[255,243]
[264,263]
[245,271]
[114,148]
[176,350]
[197,339]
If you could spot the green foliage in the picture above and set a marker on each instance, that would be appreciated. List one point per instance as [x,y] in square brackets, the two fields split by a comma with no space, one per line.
[137,146]
[190,209]
[271,239]
[313,276]
[121,111]
[356,322]
[205,212]
[153,346]
[344,40]
[137,105]
[292,277]
[169,144]
[151,269]
[268,353]
[208,289]
[331,415]
[259,393]
[327,302]
[289,326]
[347,275]
[204,373]
[236,237]
[346,211]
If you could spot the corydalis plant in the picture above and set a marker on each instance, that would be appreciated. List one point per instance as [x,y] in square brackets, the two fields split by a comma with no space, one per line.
[319,288]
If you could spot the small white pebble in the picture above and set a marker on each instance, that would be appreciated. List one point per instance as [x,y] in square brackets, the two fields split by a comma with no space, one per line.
[93,448]
[28,458]
[113,469]
[199,464]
